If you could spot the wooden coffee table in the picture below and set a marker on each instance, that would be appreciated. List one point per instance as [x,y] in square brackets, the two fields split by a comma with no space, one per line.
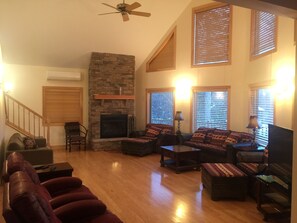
[180,157]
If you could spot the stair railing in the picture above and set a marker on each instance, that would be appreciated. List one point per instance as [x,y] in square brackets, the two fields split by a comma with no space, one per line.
[24,120]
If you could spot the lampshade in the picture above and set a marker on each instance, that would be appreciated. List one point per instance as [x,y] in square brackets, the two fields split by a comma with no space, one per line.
[253,123]
[178,116]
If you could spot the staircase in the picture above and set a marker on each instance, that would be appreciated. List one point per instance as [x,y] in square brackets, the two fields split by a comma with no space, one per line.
[25,120]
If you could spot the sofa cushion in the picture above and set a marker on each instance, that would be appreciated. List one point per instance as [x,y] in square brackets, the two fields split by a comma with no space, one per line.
[219,137]
[153,131]
[206,147]
[233,138]
[199,136]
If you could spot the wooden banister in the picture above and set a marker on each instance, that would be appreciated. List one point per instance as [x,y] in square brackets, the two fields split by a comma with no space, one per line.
[24,120]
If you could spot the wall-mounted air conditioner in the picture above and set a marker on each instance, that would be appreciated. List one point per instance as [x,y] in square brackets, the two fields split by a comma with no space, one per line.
[63,76]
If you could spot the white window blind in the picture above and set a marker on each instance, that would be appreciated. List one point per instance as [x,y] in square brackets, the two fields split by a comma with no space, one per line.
[263,35]
[211,35]
[211,109]
[161,107]
[262,105]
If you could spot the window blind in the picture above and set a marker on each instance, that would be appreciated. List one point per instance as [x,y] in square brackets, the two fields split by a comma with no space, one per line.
[263,35]
[161,107]
[62,104]
[210,109]
[262,105]
[212,38]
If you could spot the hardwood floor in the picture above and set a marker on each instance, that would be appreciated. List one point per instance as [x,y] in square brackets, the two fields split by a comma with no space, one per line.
[138,190]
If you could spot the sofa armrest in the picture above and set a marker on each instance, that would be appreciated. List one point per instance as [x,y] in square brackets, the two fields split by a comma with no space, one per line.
[233,149]
[70,197]
[55,185]
[80,210]
[249,157]
[167,140]
[185,137]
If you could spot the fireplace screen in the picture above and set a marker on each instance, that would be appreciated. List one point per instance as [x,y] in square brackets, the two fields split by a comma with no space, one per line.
[113,125]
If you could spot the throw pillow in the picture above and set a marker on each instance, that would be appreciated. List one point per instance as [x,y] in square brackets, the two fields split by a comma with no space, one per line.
[199,136]
[29,143]
[219,137]
[233,138]
[153,131]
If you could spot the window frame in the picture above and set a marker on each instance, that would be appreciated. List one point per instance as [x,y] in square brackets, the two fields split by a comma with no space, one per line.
[61,93]
[149,91]
[205,8]
[254,56]
[210,89]
[256,87]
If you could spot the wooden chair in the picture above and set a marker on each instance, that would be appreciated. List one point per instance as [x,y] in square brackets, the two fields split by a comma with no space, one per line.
[75,134]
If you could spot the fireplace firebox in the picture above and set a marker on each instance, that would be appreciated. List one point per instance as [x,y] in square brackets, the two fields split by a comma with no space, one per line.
[113,125]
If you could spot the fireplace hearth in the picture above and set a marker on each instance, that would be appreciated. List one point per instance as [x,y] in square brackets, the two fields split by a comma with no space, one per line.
[113,125]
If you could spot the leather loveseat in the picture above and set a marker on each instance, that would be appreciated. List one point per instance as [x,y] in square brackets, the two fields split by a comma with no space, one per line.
[217,145]
[34,150]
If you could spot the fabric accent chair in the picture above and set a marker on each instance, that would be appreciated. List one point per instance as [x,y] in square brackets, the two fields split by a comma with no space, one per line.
[145,142]
[76,134]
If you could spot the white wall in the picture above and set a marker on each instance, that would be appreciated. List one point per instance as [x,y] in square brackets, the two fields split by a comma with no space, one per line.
[27,84]
[239,75]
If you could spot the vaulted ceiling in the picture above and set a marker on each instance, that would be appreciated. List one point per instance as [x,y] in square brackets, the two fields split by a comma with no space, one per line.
[63,33]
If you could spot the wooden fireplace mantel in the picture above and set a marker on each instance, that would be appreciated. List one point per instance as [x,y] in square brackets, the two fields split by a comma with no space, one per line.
[112,96]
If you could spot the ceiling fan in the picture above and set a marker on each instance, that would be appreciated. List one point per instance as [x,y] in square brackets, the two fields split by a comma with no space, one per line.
[126,10]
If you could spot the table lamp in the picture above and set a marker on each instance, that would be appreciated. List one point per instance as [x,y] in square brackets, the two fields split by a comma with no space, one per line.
[254,124]
[178,117]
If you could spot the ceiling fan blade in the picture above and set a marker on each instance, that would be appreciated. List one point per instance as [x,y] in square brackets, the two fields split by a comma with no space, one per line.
[110,6]
[125,17]
[108,13]
[133,6]
[146,14]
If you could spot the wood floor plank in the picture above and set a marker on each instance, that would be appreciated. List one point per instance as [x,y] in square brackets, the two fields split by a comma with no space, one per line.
[138,190]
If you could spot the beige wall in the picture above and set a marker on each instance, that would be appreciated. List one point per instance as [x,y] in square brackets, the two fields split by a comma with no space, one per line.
[27,84]
[239,75]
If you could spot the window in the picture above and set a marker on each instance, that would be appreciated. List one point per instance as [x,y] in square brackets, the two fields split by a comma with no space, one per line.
[263,33]
[62,104]
[262,105]
[212,34]
[160,106]
[211,108]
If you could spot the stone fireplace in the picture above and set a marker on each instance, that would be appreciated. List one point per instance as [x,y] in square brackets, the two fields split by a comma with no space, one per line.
[111,97]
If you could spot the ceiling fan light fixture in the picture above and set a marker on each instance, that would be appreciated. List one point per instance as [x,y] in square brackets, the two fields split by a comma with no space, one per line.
[126,10]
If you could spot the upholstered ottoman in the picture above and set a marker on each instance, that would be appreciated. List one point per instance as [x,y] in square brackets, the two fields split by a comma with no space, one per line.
[224,180]
[138,146]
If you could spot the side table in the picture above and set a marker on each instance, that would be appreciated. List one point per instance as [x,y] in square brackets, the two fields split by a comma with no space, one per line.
[46,172]
[273,197]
